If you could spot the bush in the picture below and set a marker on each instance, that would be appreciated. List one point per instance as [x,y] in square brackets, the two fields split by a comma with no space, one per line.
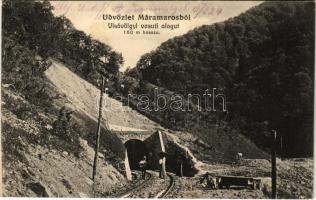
[65,127]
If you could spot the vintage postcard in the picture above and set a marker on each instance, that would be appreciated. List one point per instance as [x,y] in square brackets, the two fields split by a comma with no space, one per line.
[157,99]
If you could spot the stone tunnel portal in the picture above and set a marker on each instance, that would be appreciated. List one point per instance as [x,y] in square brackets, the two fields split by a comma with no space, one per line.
[136,150]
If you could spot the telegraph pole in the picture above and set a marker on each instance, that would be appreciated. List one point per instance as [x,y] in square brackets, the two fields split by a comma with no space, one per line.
[97,142]
[273,165]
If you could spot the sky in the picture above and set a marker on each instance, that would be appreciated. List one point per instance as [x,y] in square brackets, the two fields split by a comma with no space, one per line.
[87,16]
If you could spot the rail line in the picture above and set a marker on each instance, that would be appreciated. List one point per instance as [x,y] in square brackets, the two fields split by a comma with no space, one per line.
[165,192]
[142,186]
[149,176]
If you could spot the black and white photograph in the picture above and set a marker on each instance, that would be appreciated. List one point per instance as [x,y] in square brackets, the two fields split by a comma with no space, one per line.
[157,99]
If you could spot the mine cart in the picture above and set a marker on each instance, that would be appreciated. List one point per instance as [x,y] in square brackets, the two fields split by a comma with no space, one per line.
[239,181]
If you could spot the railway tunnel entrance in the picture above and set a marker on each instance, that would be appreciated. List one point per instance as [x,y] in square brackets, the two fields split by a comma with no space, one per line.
[136,150]
[177,157]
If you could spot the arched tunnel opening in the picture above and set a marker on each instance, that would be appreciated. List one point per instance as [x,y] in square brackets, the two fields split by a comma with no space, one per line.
[136,150]
[179,161]
[177,158]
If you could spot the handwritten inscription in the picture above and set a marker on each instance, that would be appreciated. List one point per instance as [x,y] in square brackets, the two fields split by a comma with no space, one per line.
[196,9]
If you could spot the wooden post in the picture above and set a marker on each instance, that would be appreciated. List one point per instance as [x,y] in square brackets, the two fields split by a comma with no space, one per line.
[162,149]
[97,142]
[181,169]
[273,165]
[281,147]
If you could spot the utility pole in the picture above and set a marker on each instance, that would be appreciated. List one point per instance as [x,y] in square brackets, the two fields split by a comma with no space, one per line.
[97,142]
[273,165]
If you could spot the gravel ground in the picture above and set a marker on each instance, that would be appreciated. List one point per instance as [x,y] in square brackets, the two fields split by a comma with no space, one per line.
[190,188]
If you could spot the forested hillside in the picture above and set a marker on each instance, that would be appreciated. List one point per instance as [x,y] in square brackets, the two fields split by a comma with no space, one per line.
[33,25]
[263,60]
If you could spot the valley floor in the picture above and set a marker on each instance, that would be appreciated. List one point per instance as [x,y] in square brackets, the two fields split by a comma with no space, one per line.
[294,180]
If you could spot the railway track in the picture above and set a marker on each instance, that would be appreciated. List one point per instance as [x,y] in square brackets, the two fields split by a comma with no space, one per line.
[147,187]
[165,192]
[139,184]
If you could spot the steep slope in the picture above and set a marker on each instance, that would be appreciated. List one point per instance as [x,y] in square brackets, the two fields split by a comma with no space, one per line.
[84,97]
[37,163]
